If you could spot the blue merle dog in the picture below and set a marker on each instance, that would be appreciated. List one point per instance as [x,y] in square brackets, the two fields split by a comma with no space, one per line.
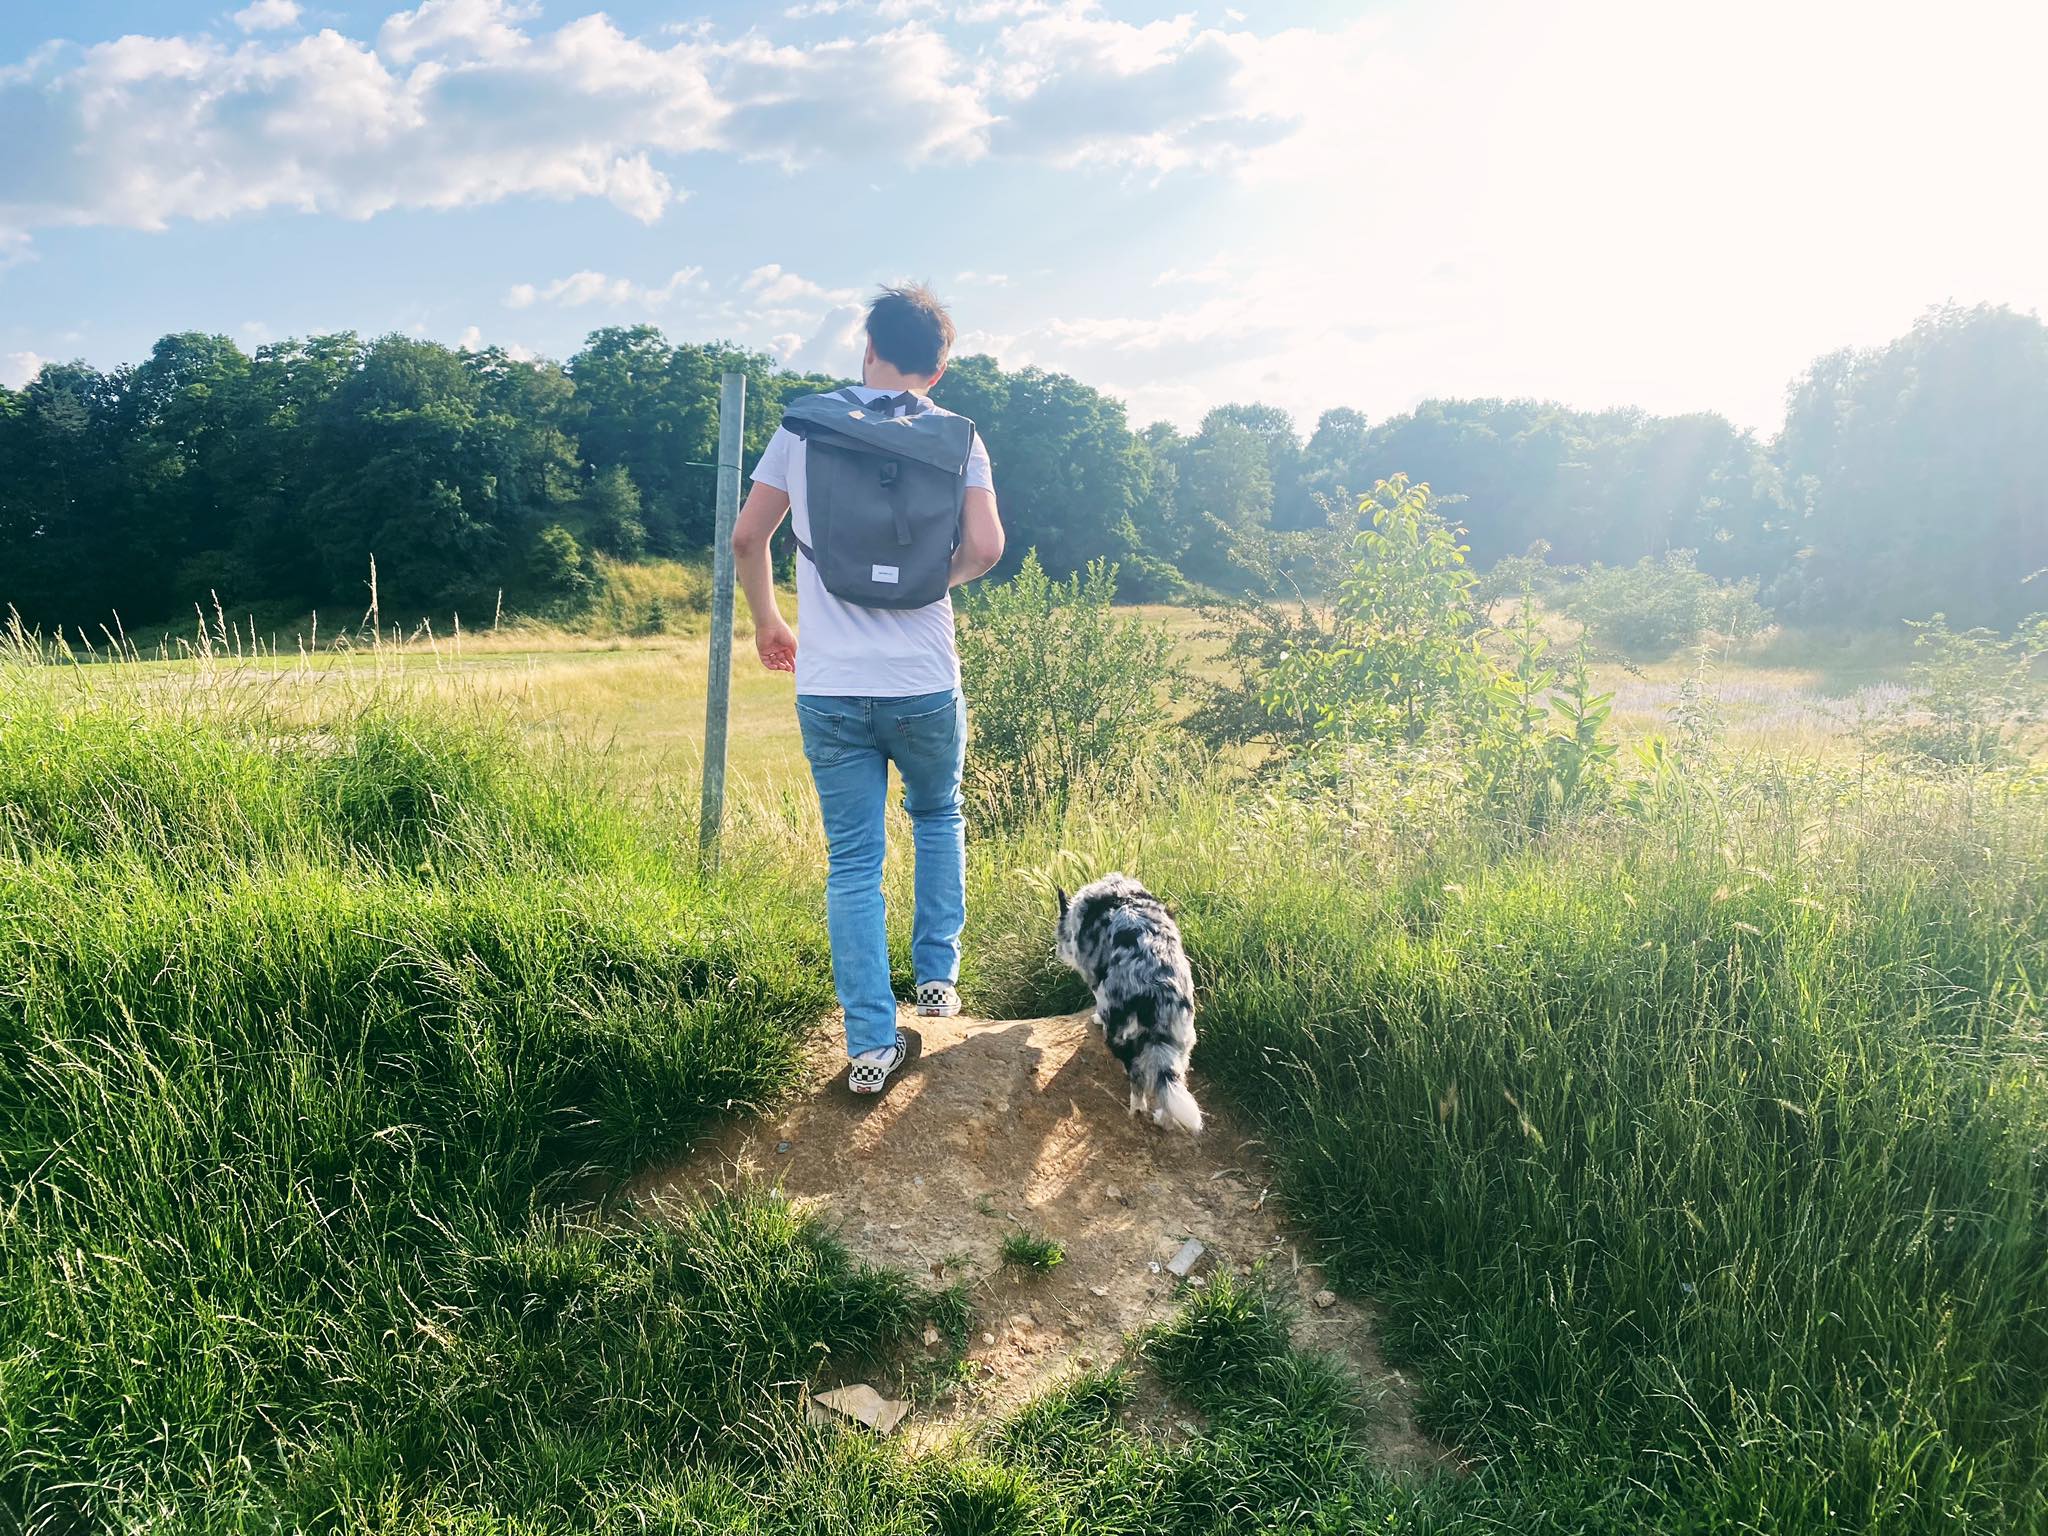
[1126,947]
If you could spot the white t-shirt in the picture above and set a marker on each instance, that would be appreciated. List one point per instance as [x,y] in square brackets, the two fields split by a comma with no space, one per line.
[842,648]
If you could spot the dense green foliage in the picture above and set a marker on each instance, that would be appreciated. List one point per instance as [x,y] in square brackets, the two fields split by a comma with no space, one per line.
[1918,467]
[1903,482]
[1655,606]
[274,480]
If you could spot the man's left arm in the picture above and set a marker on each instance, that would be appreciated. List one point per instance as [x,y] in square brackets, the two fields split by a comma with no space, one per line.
[981,537]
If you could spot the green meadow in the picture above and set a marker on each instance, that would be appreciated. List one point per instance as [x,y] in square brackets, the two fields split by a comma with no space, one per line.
[1695,1151]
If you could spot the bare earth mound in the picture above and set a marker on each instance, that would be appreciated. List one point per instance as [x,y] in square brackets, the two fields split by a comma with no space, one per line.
[994,1126]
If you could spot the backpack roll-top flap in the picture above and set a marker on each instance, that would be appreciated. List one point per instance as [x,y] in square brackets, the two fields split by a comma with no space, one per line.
[937,438]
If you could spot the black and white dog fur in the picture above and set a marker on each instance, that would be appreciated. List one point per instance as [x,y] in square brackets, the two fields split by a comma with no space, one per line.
[1126,947]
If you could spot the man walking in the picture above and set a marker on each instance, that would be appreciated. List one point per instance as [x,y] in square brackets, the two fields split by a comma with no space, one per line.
[906,511]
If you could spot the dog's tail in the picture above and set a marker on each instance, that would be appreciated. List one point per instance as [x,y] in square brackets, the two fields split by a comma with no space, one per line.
[1167,1090]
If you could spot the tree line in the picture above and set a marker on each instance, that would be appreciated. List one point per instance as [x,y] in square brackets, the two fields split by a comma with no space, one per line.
[1907,479]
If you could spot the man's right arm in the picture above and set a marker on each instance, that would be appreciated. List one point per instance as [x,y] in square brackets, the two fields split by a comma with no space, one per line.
[774,640]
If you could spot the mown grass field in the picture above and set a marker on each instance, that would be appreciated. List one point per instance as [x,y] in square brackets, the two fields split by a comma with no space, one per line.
[1697,1152]
[638,701]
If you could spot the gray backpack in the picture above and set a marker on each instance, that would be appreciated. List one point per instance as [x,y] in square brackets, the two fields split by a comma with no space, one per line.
[885,485]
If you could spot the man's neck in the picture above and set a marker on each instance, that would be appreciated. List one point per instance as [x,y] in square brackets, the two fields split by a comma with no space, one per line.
[882,376]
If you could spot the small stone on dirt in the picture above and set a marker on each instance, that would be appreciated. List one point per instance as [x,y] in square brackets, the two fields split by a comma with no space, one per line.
[1098,1290]
[863,1404]
[1153,1265]
[931,1335]
[1326,1299]
[783,1146]
[1183,1263]
[988,1338]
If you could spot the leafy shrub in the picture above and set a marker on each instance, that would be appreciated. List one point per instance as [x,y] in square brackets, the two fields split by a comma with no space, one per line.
[1407,667]
[1653,607]
[1526,575]
[1065,690]
[1973,691]
[555,563]
[611,515]
[1258,638]
[1539,746]
[1405,633]
[1027,1250]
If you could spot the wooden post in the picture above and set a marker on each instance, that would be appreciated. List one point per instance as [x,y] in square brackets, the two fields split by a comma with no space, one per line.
[732,407]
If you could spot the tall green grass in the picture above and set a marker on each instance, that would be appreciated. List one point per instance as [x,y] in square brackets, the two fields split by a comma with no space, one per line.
[324,1037]
[309,1040]
[1699,1160]
[1698,1157]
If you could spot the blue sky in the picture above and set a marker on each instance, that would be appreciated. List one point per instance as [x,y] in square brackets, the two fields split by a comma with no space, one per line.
[1602,201]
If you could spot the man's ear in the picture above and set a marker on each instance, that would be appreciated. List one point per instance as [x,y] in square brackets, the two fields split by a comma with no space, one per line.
[928,383]
[1057,891]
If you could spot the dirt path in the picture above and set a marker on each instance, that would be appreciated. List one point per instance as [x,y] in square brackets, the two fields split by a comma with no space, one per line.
[995,1125]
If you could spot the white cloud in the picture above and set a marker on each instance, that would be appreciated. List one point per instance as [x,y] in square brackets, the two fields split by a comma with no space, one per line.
[1077,87]
[1214,272]
[903,94]
[463,102]
[17,368]
[472,340]
[771,286]
[984,279]
[579,289]
[976,11]
[144,131]
[835,346]
[267,15]
[486,29]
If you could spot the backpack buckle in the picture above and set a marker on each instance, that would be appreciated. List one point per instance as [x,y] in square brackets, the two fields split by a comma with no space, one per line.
[889,469]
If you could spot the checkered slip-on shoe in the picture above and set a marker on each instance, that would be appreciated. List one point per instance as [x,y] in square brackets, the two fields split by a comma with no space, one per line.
[937,1000]
[868,1073]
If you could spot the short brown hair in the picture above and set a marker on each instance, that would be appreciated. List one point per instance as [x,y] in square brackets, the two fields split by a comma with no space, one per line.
[910,329]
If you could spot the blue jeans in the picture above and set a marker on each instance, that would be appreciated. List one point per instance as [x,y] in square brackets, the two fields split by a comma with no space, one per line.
[850,743]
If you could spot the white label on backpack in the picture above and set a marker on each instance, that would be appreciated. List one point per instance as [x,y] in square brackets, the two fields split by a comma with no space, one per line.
[883,573]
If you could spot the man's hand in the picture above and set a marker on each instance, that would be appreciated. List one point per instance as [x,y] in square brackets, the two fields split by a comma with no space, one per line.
[775,644]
